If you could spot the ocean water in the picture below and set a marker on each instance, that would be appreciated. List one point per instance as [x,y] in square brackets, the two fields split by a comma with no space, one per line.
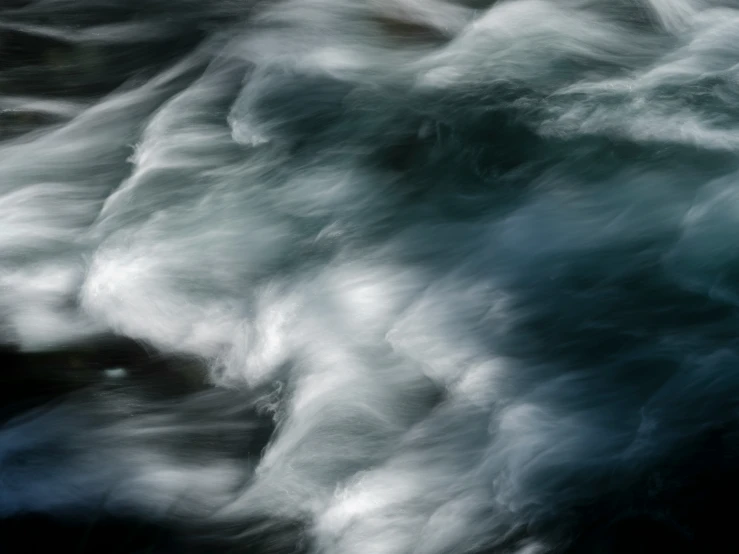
[406,276]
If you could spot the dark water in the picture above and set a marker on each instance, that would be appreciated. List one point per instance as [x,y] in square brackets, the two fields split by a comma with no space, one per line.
[369,277]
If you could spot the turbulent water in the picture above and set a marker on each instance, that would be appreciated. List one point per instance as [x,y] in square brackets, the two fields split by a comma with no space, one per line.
[463,275]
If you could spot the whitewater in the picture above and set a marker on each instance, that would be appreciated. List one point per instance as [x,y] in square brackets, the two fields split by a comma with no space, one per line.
[441,276]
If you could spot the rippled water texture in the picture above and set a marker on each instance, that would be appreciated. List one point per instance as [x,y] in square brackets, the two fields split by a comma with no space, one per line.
[411,276]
